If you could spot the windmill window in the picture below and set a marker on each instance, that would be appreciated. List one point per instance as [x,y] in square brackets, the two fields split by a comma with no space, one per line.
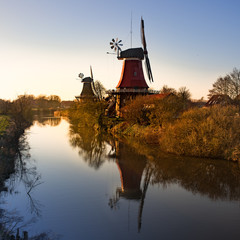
[134,74]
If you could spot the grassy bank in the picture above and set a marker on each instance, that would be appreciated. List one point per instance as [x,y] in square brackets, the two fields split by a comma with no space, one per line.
[207,132]
[175,126]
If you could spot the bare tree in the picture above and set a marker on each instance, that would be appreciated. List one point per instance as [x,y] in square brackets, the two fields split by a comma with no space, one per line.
[184,93]
[235,77]
[99,89]
[166,89]
[227,85]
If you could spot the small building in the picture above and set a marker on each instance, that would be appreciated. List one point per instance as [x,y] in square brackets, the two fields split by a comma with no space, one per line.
[221,99]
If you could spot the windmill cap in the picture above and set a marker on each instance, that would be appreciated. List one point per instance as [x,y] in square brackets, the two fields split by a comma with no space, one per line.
[132,53]
[87,80]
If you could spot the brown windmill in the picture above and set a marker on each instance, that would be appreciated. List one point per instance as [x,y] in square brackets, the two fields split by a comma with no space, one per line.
[88,90]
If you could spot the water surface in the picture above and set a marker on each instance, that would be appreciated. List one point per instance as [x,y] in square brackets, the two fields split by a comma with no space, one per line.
[73,184]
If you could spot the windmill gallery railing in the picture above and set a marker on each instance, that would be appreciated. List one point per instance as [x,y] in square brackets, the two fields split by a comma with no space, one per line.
[126,90]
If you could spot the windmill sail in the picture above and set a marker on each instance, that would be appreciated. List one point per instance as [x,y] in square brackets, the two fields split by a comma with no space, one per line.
[147,62]
[91,73]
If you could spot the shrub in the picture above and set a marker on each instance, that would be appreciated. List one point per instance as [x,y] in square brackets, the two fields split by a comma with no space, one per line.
[4,123]
[208,132]
[148,110]
[87,113]
[166,110]
[137,110]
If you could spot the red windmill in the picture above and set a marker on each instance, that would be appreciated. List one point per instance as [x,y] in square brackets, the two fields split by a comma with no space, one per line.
[132,81]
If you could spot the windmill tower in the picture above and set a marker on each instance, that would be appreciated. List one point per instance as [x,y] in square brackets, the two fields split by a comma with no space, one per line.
[88,90]
[132,81]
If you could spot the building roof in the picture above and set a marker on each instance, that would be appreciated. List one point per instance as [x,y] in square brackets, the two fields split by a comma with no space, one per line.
[132,53]
[87,80]
[160,95]
[218,99]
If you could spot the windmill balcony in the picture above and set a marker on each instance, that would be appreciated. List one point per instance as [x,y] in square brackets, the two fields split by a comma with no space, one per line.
[131,90]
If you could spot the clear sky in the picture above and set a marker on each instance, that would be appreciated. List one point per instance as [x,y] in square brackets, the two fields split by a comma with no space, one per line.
[45,44]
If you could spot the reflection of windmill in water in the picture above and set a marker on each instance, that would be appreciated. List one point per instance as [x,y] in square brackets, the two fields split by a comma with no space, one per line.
[132,82]
[88,90]
[134,170]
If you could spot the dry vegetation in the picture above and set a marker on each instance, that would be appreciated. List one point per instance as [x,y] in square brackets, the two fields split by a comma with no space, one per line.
[172,123]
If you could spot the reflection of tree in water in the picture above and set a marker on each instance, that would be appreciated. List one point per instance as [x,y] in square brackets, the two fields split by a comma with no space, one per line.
[90,145]
[25,172]
[140,166]
[214,178]
[15,167]
[217,179]
[44,120]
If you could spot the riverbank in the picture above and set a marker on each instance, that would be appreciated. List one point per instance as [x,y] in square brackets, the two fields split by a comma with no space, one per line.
[200,132]
[10,133]
[209,132]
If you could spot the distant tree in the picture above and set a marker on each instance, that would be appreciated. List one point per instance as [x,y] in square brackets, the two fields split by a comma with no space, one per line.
[99,89]
[184,94]
[54,101]
[227,85]
[4,106]
[41,101]
[54,98]
[235,77]
[166,89]
[21,111]
[222,86]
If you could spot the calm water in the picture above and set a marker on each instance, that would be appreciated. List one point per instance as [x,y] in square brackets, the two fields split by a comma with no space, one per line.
[74,184]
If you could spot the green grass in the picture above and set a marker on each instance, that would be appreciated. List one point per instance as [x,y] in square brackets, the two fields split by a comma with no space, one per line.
[4,123]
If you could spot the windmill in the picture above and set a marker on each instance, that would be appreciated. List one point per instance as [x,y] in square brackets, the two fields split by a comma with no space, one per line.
[115,45]
[132,81]
[88,90]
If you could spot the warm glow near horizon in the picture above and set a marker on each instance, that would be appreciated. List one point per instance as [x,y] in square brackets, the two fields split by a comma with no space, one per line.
[45,45]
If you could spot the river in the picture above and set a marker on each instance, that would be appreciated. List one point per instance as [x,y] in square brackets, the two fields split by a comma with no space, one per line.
[70,183]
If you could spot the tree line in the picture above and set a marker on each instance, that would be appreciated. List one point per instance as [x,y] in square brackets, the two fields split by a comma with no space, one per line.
[26,101]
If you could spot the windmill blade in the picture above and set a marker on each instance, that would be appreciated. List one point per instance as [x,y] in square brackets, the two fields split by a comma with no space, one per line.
[112,47]
[93,84]
[91,72]
[148,69]
[147,62]
[143,36]
[119,41]
[111,43]
[113,40]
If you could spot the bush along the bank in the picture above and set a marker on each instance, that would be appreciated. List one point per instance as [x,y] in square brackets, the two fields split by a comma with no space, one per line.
[4,123]
[171,123]
[147,110]
[146,116]
[206,132]
[16,117]
[88,114]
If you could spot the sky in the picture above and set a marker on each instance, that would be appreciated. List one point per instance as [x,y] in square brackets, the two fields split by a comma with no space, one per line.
[45,44]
